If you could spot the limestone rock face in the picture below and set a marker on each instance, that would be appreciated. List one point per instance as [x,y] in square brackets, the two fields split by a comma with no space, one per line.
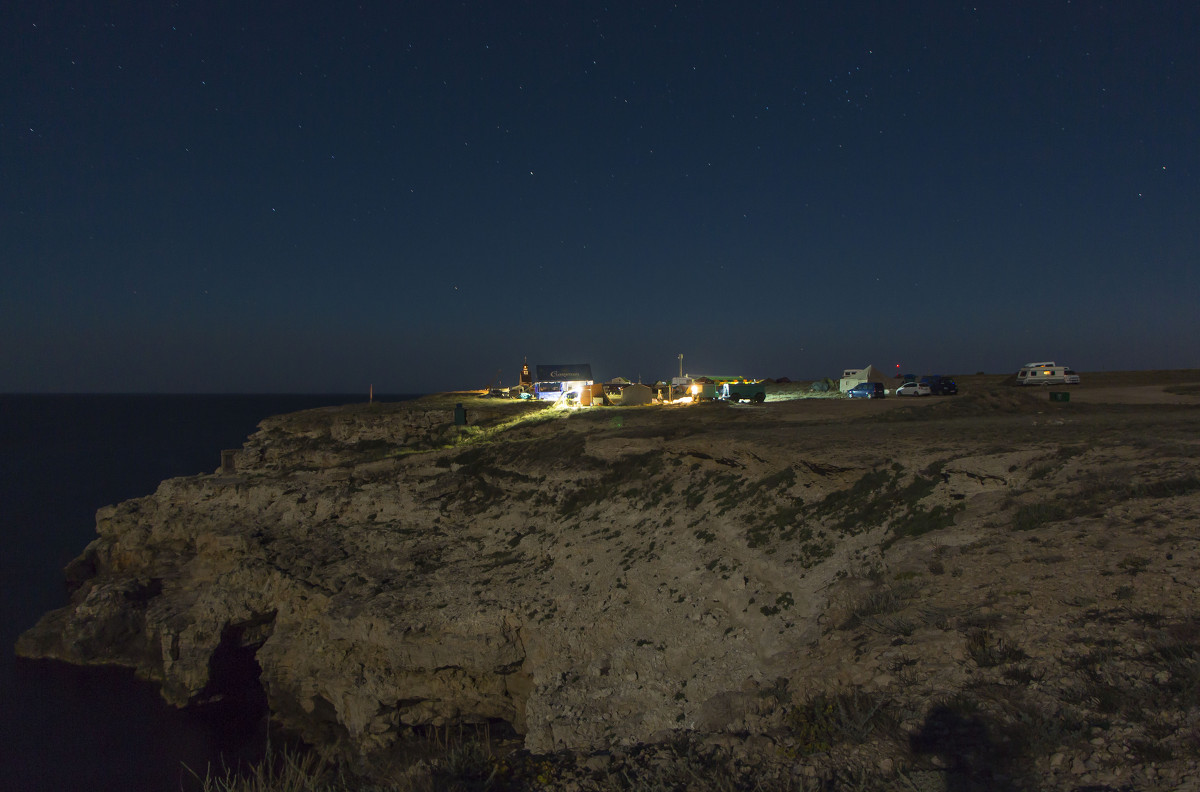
[594,580]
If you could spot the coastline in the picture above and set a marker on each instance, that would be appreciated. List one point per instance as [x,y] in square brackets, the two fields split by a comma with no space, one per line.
[658,504]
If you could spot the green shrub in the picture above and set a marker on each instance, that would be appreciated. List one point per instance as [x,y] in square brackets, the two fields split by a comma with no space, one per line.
[988,649]
[879,602]
[1034,515]
[848,716]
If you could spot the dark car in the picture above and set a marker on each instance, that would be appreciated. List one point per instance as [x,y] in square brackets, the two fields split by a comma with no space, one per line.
[866,390]
[939,385]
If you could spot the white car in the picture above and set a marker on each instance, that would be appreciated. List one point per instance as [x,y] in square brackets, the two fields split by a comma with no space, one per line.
[913,389]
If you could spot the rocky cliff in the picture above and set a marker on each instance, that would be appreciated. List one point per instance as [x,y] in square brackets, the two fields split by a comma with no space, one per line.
[622,575]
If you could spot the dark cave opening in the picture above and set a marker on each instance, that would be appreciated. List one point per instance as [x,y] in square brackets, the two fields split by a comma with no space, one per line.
[233,705]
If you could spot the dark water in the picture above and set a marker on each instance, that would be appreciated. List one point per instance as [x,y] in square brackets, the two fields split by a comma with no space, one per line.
[61,458]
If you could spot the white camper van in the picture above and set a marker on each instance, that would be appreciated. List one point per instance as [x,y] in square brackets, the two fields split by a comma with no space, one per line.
[1047,373]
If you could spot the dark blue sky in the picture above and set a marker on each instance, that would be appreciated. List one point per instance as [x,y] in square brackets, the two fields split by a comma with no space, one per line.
[314,197]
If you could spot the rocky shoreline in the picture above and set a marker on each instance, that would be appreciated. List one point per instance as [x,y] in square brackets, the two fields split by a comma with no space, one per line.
[813,594]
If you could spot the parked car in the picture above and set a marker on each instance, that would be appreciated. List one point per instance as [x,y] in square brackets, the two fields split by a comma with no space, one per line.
[941,386]
[866,390]
[913,389]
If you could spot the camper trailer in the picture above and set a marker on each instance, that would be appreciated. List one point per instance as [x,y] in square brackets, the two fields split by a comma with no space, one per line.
[1047,373]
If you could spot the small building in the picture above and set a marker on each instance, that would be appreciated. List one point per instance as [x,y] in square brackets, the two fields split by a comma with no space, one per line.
[553,381]
[616,385]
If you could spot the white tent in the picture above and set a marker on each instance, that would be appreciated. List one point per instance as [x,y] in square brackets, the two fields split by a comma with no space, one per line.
[851,377]
[635,394]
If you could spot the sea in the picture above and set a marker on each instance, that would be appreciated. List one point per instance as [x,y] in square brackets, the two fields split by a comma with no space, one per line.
[61,458]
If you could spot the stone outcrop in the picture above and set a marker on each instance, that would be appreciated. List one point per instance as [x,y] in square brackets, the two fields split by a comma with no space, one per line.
[619,576]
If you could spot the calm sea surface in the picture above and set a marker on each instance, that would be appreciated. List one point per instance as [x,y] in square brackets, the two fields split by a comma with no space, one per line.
[61,458]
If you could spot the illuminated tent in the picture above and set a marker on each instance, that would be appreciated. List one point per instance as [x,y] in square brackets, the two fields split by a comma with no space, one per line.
[851,377]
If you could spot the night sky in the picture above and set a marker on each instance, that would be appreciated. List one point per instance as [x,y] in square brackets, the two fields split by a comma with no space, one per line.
[320,197]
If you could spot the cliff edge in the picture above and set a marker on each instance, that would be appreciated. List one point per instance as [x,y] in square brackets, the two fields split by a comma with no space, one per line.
[622,576]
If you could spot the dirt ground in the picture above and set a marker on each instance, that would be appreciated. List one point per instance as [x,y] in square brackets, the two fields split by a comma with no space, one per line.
[980,396]
[1173,386]
[1180,386]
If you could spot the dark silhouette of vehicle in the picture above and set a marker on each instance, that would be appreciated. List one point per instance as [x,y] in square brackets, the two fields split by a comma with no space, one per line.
[866,390]
[744,391]
[939,385]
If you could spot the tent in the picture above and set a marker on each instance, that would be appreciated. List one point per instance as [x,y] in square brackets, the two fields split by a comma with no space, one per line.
[851,377]
[636,394]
